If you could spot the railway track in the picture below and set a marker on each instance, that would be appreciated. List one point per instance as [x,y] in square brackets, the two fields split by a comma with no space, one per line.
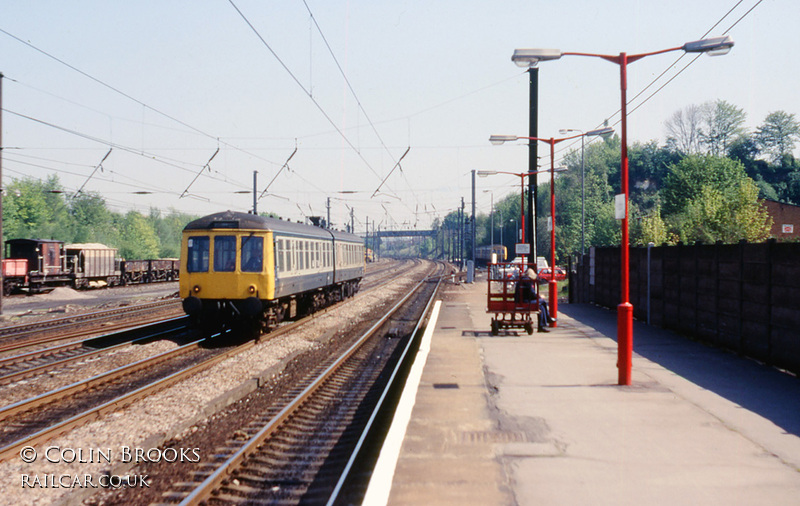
[17,367]
[40,418]
[16,337]
[305,449]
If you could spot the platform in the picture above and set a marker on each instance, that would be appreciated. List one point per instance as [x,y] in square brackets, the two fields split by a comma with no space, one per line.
[519,419]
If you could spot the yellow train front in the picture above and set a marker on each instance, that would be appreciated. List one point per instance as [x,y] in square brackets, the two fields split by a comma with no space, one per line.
[248,268]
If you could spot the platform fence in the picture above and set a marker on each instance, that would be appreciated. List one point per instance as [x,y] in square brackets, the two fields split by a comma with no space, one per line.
[744,297]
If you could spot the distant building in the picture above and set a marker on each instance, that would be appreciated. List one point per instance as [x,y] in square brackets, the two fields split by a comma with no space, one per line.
[785,220]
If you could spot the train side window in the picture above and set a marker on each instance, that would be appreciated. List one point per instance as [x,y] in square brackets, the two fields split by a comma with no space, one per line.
[288,251]
[198,254]
[252,254]
[279,254]
[301,264]
[224,253]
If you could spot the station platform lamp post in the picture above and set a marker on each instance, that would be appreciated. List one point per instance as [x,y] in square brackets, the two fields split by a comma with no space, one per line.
[552,285]
[583,185]
[530,57]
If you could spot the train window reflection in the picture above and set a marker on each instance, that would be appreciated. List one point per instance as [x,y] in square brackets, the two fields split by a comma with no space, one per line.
[252,254]
[198,254]
[224,253]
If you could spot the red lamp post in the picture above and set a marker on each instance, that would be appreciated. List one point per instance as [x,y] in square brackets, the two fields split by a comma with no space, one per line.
[530,57]
[552,285]
[521,176]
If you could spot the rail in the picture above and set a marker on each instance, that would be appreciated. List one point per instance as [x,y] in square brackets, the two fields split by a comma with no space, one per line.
[216,479]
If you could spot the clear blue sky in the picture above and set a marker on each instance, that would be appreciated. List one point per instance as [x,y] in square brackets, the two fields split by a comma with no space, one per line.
[435,77]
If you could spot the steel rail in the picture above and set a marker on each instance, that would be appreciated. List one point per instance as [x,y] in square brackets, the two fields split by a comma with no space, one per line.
[119,402]
[19,331]
[405,355]
[173,325]
[110,406]
[205,489]
[39,400]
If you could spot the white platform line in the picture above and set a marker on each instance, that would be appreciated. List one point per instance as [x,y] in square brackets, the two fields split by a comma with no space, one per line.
[380,484]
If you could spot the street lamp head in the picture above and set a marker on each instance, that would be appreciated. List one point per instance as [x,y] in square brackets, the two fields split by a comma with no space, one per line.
[530,57]
[499,139]
[484,173]
[714,46]
[603,132]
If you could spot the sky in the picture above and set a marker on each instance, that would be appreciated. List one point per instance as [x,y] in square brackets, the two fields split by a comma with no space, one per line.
[194,97]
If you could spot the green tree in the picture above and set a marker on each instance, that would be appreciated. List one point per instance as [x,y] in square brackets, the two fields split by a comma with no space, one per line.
[709,199]
[778,134]
[722,123]
[138,240]
[91,220]
[168,230]
[687,178]
[36,209]
[728,215]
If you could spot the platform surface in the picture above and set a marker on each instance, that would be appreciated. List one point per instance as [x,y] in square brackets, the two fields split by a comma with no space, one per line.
[540,419]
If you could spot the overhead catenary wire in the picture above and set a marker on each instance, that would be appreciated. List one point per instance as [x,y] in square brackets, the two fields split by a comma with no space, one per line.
[302,87]
[358,101]
[672,78]
[121,147]
[128,96]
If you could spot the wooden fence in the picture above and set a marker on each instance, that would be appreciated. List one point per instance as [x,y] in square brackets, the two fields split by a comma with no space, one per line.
[744,297]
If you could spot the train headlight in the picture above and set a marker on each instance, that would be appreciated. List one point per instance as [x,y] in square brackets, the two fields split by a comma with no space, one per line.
[252,289]
[196,289]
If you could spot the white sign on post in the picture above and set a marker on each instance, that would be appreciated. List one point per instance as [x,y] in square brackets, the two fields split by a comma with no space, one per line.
[523,249]
[619,206]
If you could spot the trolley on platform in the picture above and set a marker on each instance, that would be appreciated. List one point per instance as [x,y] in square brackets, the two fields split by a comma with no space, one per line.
[508,311]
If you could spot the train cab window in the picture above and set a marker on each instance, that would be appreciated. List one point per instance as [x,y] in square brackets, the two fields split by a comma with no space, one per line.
[224,253]
[198,254]
[252,254]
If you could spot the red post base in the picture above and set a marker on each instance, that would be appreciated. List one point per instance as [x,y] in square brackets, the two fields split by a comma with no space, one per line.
[552,288]
[624,342]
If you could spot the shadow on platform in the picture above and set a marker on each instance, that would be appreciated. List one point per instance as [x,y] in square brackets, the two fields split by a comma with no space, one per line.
[773,394]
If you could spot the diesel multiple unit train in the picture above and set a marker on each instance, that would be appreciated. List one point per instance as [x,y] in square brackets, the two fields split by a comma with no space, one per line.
[244,267]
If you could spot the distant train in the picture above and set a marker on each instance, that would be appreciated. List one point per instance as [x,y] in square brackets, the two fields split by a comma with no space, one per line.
[249,268]
[36,265]
[483,254]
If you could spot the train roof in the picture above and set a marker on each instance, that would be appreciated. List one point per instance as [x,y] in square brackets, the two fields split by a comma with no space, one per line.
[247,221]
[87,245]
[24,241]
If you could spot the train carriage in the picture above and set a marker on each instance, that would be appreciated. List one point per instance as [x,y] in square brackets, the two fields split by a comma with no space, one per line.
[149,271]
[92,264]
[44,260]
[243,266]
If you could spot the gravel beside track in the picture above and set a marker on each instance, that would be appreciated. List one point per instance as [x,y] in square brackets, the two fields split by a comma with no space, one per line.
[181,413]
